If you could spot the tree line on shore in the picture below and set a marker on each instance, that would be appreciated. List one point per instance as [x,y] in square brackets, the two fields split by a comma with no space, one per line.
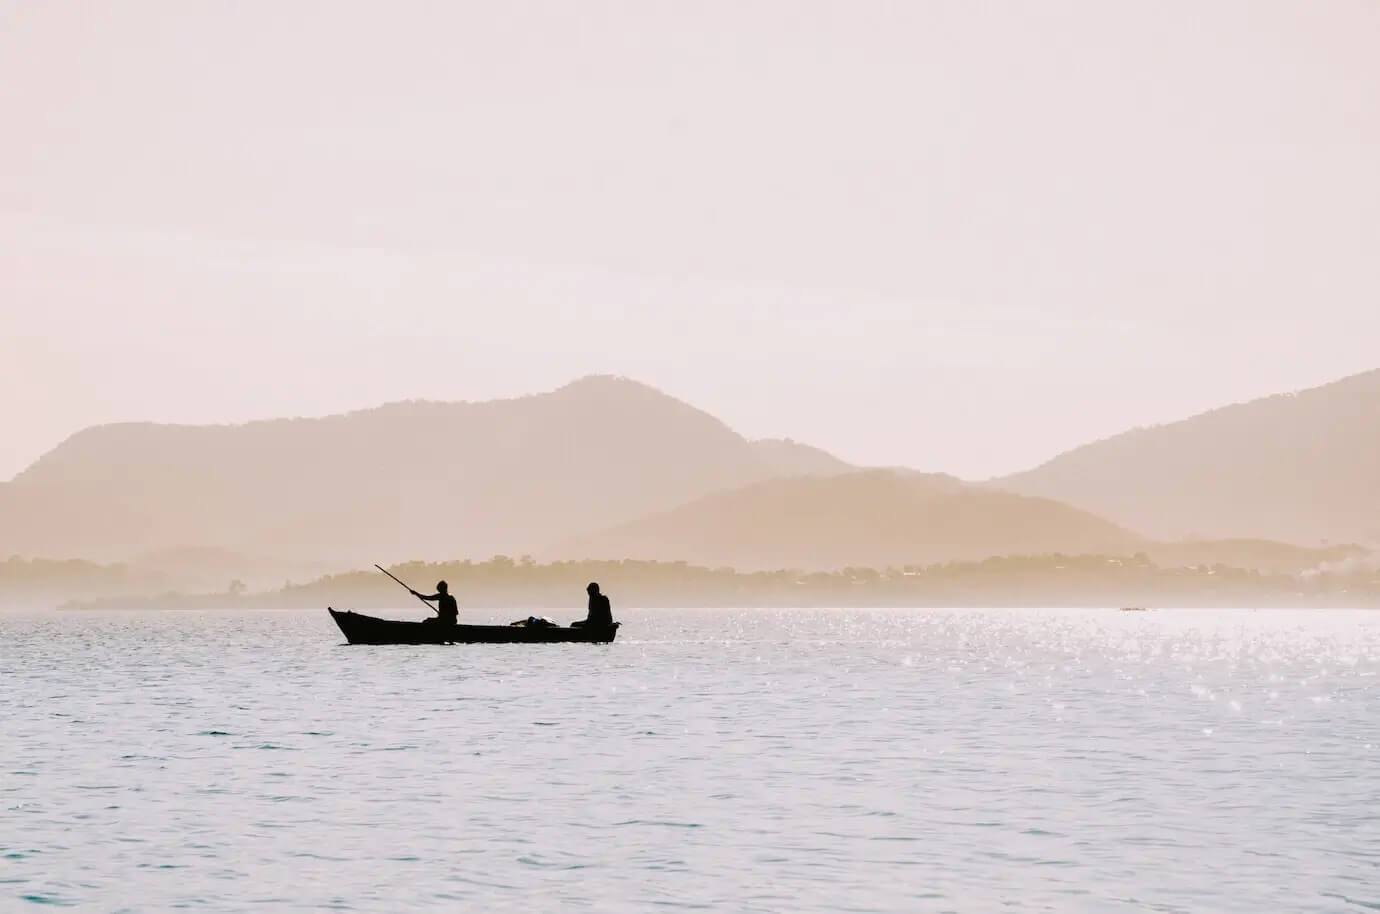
[503,582]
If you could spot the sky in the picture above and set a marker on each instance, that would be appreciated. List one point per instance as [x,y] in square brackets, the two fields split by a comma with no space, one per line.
[955,236]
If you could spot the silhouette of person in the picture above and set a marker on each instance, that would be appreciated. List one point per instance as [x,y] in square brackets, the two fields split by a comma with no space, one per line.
[447,613]
[600,613]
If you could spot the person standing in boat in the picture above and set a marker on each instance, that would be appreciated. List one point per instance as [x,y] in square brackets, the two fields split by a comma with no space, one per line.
[447,613]
[600,613]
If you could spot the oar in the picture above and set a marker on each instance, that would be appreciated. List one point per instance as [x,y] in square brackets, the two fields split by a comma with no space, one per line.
[409,589]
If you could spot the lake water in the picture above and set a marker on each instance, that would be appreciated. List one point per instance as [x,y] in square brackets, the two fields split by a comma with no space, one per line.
[755,760]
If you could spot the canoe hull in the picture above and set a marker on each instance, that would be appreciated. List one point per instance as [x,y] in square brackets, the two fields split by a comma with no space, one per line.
[361,629]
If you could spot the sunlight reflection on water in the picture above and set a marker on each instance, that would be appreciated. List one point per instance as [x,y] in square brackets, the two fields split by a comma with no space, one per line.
[1070,760]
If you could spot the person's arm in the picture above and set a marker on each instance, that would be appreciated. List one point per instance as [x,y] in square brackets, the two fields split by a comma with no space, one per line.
[435,596]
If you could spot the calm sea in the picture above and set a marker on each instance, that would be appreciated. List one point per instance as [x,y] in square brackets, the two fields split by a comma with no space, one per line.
[754,760]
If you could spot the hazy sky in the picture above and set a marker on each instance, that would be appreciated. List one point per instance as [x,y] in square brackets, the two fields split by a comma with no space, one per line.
[957,236]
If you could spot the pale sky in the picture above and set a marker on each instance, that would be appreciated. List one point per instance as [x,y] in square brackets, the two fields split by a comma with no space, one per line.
[955,236]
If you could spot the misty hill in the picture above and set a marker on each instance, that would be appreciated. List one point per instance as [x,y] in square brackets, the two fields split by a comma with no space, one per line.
[1301,467]
[406,480]
[791,458]
[210,568]
[866,518]
[35,583]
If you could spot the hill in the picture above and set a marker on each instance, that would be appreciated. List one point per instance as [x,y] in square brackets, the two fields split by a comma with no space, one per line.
[1300,467]
[791,458]
[866,518]
[406,480]
[44,583]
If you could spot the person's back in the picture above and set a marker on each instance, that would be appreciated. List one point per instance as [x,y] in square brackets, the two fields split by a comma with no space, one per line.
[600,614]
[447,611]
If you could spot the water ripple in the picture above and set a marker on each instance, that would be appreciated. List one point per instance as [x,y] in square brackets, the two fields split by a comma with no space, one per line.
[760,760]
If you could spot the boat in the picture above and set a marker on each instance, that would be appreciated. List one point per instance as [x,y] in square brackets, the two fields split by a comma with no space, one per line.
[362,629]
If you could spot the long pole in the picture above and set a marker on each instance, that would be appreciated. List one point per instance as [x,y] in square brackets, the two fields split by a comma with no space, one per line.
[409,589]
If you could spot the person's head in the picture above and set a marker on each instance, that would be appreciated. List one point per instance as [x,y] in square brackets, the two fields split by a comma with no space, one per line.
[440,586]
[592,588]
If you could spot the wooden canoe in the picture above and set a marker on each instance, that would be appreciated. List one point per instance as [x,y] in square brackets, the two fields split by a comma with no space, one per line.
[361,629]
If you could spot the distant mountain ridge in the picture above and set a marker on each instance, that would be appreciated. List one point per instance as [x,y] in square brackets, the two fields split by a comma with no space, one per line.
[871,518]
[791,458]
[609,467]
[405,480]
[1298,467]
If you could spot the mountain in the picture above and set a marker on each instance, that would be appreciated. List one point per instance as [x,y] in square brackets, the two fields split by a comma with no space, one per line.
[866,518]
[406,480]
[791,458]
[665,480]
[1299,467]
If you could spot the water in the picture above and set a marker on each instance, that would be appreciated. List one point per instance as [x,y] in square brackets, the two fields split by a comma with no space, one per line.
[760,760]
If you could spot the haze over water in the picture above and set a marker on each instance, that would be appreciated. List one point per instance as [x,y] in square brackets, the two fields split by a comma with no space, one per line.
[896,760]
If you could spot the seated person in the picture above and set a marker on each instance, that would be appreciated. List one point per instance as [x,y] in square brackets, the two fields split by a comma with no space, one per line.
[600,614]
[447,613]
